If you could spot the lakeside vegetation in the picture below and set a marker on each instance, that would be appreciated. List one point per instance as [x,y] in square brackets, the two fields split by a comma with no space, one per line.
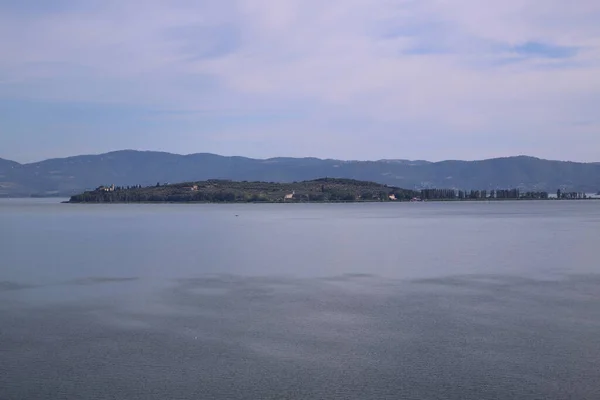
[318,190]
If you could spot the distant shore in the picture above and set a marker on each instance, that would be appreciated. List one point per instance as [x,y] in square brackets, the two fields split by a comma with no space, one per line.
[324,190]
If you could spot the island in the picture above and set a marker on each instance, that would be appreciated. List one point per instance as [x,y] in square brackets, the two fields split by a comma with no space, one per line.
[317,190]
[226,191]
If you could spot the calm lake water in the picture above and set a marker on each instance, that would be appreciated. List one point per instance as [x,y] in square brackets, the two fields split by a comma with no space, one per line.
[330,301]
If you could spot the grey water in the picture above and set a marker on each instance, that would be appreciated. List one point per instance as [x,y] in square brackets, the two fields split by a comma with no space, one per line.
[300,301]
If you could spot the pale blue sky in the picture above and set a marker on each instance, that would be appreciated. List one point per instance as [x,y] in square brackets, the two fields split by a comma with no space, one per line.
[351,79]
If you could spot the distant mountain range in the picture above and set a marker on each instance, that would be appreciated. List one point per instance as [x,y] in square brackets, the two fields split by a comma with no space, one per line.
[67,176]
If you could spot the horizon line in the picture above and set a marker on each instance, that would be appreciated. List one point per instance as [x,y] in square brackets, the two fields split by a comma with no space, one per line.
[296,157]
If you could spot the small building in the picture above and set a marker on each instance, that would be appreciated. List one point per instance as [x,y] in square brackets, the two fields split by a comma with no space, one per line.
[110,188]
[289,196]
[392,197]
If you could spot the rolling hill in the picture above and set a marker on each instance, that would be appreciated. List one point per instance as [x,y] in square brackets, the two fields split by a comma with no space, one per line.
[67,176]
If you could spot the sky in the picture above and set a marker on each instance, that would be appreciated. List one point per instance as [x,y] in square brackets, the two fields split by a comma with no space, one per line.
[347,79]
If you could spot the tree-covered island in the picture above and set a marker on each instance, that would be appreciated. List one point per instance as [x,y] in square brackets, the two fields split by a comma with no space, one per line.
[225,191]
[318,190]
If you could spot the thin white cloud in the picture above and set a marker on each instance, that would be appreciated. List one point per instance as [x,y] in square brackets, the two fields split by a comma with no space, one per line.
[434,68]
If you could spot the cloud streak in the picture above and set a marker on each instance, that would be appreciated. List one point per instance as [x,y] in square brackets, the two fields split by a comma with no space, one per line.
[362,79]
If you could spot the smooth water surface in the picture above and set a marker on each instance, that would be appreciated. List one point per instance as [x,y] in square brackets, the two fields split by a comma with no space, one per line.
[478,300]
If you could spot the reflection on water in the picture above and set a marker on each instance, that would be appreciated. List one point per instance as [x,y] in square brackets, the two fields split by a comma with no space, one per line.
[354,307]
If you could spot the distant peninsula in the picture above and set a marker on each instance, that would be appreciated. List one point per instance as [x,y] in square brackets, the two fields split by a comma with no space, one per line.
[317,190]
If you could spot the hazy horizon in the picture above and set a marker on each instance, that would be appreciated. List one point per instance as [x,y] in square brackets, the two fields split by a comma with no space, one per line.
[285,156]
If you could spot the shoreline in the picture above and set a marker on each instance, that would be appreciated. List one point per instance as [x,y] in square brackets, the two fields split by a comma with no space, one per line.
[327,202]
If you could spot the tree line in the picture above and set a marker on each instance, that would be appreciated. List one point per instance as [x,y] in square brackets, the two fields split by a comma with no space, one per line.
[570,195]
[452,194]
[319,190]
